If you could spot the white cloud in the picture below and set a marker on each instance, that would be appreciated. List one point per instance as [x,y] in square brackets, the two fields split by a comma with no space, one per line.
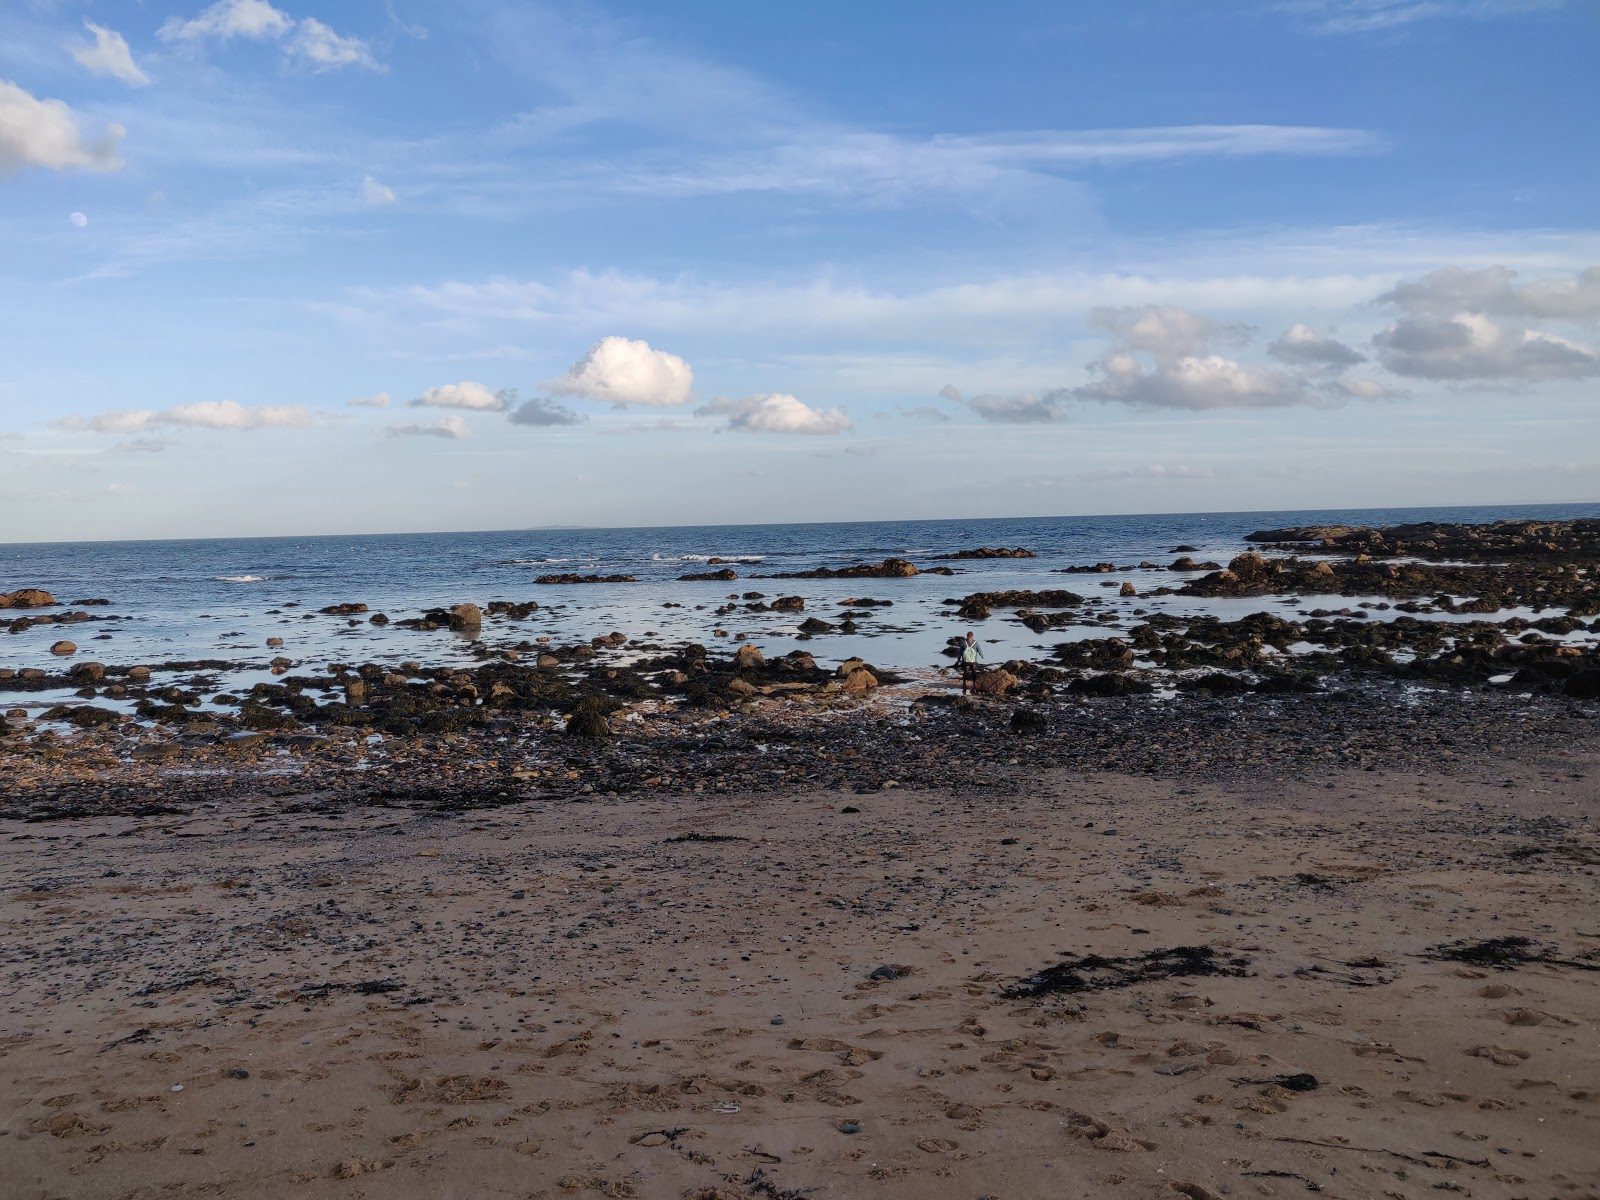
[622,372]
[230,414]
[378,400]
[308,40]
[109,56]
[1446,332]
[203,414]
[886,167]
[775,412]
[1150,471]
[44,133]
[1469,346]
[540,411]
[376,193]
[472,396]
[450,426]
[1368,16]
[324,49]
[1302,345]
[1193,381]
[253,19]
[1162,359]
[926,412]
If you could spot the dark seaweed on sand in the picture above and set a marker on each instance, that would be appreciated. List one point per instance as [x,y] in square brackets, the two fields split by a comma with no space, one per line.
[1096,973]
[1503,954]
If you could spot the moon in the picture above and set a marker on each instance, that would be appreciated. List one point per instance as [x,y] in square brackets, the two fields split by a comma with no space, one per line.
[78,219]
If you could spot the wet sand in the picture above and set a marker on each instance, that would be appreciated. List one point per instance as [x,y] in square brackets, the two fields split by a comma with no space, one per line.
[606,998]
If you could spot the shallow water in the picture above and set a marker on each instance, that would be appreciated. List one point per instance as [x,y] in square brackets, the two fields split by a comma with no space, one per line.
[223,598]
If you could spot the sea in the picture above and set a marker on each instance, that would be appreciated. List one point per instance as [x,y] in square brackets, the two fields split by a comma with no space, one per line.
[218,600]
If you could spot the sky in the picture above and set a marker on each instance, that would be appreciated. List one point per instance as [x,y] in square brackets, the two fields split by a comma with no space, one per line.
[333,266]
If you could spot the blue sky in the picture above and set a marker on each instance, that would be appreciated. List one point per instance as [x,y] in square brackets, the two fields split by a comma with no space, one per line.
[373,265]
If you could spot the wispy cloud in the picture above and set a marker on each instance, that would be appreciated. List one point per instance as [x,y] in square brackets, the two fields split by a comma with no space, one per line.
[109,56]
[1369,16]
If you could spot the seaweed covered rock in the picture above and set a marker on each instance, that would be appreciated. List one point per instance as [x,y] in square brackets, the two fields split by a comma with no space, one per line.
[889,568]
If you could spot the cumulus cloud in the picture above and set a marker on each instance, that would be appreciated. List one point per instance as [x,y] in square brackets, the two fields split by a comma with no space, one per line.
[226,19]
[1480,325]
[540,411]
[1025,409]
[44,133]
[1303,346]
[472,396]
[450,426]
[109,56]
[203,414]
[1163,359]
[324,49]
[622,372]
[1469,346]
[308,40]
[377,400]
[376,193]
[776,412]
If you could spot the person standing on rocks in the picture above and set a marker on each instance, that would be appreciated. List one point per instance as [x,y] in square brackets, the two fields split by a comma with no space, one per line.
[970,654]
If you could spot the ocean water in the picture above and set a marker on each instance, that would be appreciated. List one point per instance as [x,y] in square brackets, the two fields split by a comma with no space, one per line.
[220,599]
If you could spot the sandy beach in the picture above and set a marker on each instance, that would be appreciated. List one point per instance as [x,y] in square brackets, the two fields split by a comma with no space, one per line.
[818,992]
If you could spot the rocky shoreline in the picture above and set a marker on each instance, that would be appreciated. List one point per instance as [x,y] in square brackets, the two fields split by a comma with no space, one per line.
[1174,694]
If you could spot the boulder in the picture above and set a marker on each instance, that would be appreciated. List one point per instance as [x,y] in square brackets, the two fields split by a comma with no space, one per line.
[858,681]
[1128,590]
[587,722]
[994,683]
[1026,720]
[88,672]
[138,674]
[748,658]
[741,687]
[274,641]
[465,616]
[26,598]
[788,604]
[64,648]
[547,662]
[723,575]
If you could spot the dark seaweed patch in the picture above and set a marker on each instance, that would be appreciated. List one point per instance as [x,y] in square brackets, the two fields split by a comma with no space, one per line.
[1503,954]
[1096,973]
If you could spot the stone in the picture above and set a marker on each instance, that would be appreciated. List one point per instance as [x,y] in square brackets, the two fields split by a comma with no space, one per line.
[64,648]
[748,657]
[1128,590]
[88,672]
[587,722]
[26,598]
[1026,720]
[138,674]
[994,683]
[547,662]
[465,616]
[274,641]
[788,604]
[741,687]
[859,680]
